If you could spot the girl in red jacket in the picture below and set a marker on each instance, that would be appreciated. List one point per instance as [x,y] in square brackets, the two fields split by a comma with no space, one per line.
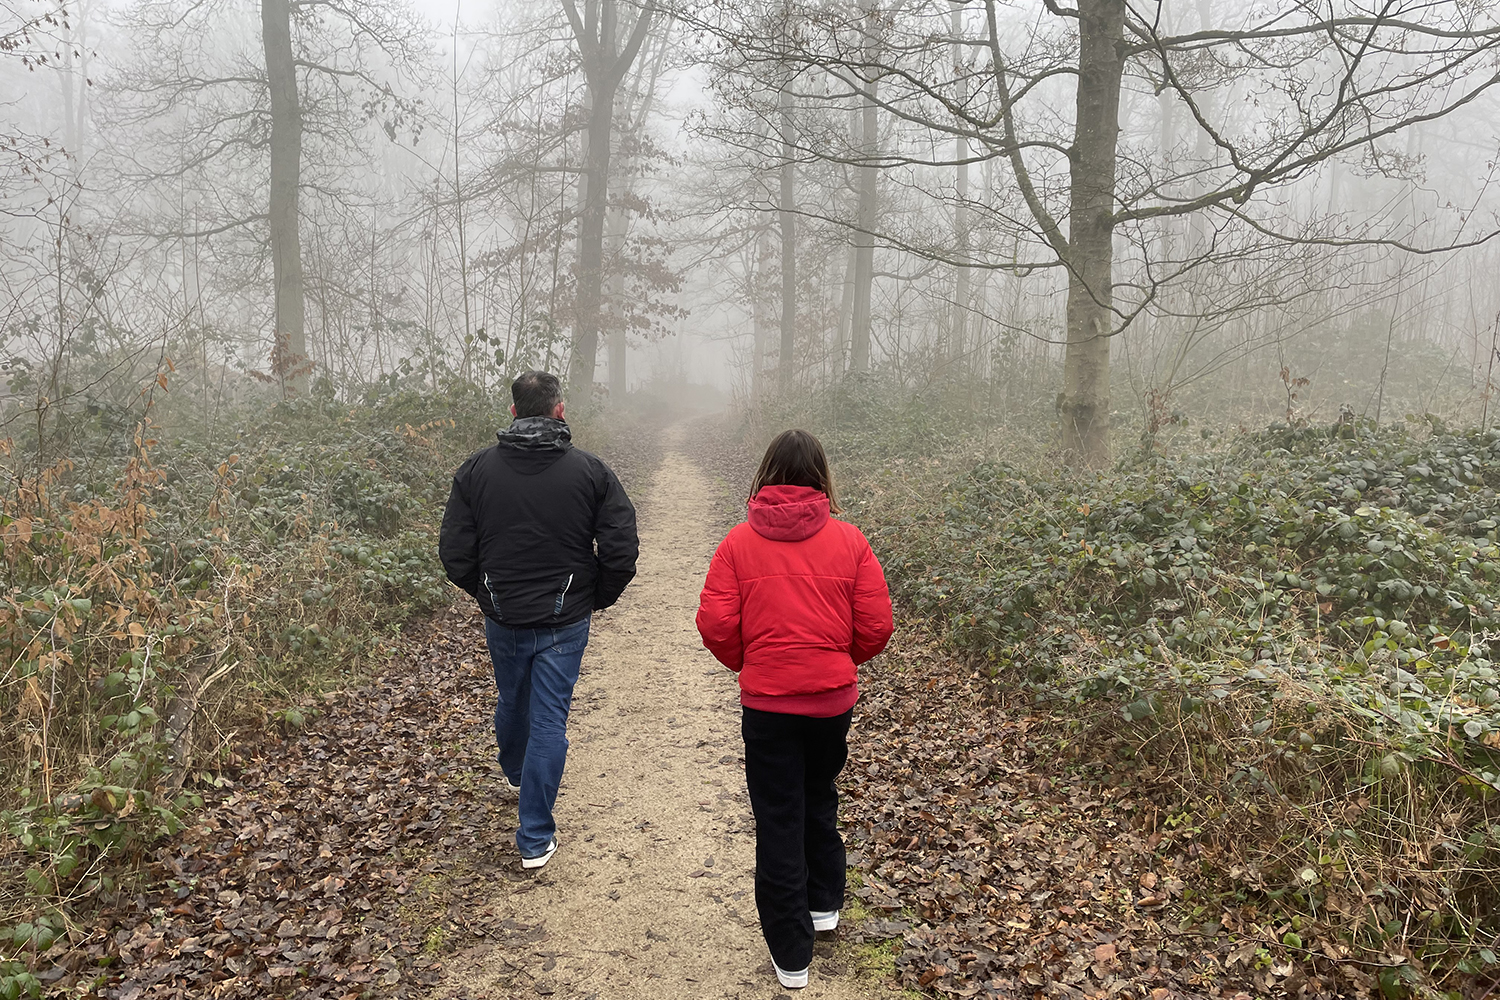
[793,603]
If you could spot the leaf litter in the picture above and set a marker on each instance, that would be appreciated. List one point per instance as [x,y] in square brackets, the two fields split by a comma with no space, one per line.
[1001,868]
[349,856]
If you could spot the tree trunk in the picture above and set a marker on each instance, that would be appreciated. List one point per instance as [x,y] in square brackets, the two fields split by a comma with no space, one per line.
[614,240]
[846,309]
[865,219]
[1166,106]
[760,323]
[603,68]
[1084,404]
[637,110]
[289,362]
[458,210]
[788,222]
[591,248]
[958,334]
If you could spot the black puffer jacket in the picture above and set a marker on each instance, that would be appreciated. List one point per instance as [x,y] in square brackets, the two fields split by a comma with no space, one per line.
[539,532]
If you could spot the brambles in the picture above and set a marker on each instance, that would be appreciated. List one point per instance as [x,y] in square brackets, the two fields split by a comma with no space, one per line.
[1288,641]
[149,614]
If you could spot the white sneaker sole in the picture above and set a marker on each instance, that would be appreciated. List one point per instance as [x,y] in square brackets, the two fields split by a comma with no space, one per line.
[540,859]
[790,980]
[825,920]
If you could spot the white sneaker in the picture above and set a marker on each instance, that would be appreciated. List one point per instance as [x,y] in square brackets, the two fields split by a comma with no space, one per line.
[543,858]
[509,790]
[791,980]
[825,920]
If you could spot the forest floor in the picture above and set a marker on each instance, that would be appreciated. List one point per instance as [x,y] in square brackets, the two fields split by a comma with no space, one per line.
[369,854]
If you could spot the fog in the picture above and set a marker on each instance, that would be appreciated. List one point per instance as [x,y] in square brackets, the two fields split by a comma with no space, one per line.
[1293,217]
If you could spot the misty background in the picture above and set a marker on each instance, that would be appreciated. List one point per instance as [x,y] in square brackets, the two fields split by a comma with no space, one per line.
[796,192]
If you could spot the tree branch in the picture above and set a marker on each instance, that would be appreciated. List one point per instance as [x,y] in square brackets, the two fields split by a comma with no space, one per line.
[1044,218]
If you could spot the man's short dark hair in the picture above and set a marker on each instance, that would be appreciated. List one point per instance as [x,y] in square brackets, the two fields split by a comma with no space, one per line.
[536,394]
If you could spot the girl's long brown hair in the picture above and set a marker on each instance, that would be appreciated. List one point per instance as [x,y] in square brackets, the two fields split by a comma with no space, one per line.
[796,458]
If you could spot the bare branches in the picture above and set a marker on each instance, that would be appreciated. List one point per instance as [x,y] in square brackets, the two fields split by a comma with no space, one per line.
[595,34]
[1044,217]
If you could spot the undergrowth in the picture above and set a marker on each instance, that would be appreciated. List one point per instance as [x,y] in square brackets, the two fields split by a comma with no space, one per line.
[1285,643]
[172,592]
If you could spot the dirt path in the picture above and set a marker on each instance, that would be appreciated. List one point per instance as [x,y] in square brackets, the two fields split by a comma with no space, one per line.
[650,893]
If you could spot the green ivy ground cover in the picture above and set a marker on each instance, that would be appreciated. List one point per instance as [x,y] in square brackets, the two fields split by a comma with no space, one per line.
[1368,565]
[1293,632]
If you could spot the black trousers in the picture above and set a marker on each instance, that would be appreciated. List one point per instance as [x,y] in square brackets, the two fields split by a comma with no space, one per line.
[791,762]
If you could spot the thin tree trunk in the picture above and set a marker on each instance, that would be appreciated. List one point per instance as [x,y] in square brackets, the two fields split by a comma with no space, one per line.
[846,310]
[458,207]
[958,335]
[66,82]
[591,246]
[614,239]
[289,362]
[1084,406]
[788,221]
[760,325]
[865,218]
[81,82]
[1203,148]
[375,301]
[635,114]
[1166,105]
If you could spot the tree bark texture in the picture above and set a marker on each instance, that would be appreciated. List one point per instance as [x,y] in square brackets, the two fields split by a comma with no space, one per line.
[289,360]
[788,225]
[1084,405]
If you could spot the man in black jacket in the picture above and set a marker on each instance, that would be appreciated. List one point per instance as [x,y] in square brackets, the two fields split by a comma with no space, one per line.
[541,534]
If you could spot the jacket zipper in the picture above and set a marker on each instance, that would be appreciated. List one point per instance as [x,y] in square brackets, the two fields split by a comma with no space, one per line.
[557,608]
[493,602]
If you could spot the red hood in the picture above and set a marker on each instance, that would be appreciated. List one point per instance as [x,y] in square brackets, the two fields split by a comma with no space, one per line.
[788,513]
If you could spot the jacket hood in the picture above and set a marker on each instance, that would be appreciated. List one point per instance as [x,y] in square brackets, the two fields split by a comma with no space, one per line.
[788,513]
[537,434]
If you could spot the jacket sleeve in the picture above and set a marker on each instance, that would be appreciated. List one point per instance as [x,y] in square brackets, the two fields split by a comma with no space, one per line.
[458,541]
[873,623]
[616,543]
[719,610]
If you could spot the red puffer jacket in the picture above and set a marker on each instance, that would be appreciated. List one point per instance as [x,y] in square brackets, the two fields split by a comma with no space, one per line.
[794,600]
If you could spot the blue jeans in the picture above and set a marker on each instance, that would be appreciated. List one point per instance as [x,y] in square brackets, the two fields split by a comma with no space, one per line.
[535,670]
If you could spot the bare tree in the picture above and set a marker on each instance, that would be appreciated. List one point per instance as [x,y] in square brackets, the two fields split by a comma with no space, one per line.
[262,145]
[598,31]
[624,202]
[289,344]
[1318,85]
[959,325]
